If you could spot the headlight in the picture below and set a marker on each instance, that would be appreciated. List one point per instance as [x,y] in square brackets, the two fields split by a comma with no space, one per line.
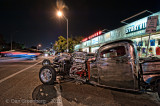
[46,55]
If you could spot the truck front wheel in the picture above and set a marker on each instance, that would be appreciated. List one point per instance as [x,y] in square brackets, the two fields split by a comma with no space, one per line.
[47,75]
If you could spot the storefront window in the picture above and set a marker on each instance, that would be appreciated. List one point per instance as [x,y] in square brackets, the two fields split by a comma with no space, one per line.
[94,49]
[86,50]
[84,44]
[153,47]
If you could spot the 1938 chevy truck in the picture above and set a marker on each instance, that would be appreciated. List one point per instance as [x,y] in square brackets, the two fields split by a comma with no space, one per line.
[116,65]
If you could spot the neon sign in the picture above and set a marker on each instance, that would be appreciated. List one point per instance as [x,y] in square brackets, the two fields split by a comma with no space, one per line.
[92,36]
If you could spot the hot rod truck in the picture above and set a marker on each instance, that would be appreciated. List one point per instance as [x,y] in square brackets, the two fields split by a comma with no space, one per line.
[116,65]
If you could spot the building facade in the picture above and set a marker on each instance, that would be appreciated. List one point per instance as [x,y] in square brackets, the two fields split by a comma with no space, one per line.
[134,31]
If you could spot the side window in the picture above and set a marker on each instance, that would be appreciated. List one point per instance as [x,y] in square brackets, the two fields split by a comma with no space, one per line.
[113,52]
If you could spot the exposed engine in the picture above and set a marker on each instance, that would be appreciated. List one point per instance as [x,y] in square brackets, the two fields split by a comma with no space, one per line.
[78,69]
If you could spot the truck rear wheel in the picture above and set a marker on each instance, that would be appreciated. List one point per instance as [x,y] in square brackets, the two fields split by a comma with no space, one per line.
[47,75]
[158,89]
[46,62]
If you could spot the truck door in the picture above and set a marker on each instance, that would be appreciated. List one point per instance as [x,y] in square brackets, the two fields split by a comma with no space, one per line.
[114,66]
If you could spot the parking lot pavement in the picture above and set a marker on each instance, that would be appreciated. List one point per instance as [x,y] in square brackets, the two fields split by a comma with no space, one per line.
[20,85]
[85,94]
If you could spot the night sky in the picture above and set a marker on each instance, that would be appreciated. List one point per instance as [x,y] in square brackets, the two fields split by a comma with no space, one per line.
[34,22]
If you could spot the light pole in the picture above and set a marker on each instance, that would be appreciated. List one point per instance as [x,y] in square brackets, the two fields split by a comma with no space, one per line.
[60,14]
[12,34]
[11,41]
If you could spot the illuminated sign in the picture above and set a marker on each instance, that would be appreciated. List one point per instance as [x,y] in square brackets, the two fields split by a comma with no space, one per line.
[107,36]
[134,28]
[95,40]
[92,36]
[151,24]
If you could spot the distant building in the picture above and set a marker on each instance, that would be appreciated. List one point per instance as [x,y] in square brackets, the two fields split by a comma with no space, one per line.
[134,31]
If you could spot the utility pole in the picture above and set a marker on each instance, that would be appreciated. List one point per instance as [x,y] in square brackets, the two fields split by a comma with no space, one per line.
[11,41]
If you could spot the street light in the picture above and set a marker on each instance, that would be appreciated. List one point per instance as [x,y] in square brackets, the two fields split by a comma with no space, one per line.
[60,14]
[38,46]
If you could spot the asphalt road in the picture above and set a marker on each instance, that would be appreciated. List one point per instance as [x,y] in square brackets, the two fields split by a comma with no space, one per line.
[20,85]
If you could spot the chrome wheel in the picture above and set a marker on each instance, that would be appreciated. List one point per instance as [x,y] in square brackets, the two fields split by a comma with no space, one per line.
[46,75]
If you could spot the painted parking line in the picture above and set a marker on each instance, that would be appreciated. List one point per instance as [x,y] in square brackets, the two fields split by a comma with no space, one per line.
[59,97]
[10,76]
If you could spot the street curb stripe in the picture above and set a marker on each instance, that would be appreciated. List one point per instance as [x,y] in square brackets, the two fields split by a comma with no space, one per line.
[10,76]
[59,97]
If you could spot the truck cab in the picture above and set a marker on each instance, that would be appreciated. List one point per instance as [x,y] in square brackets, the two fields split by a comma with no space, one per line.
[117,65]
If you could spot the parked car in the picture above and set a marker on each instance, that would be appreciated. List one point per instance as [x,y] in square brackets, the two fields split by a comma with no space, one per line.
[117,66]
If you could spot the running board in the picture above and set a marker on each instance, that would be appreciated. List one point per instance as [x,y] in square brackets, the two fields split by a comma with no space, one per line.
[116,88]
